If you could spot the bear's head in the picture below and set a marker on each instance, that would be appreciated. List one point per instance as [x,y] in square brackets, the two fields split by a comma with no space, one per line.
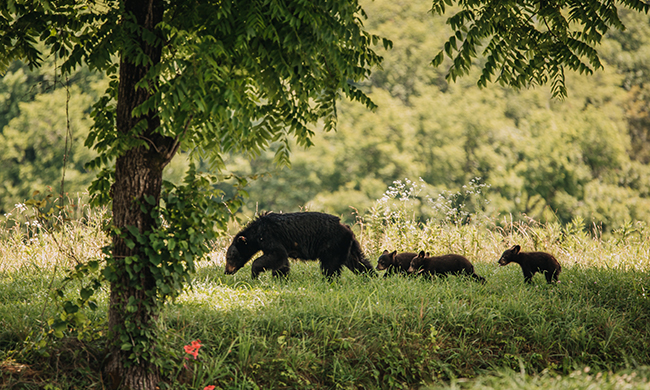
[417,263]
[239,252]
[386,260]
[509,255]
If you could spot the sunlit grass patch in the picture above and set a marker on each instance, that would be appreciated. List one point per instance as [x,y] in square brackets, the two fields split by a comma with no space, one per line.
[225,298]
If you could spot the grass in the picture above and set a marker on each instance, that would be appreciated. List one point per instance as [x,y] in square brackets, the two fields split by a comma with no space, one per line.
[578,380]
[399,332]
[591,330]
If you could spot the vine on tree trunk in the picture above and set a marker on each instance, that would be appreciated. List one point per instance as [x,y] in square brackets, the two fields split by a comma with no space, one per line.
[189,218]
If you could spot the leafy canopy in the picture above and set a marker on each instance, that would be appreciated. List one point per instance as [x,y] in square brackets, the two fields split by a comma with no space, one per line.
[233,76]
[528,42]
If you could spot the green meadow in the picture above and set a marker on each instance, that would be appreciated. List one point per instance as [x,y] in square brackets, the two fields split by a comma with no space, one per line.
[590,330]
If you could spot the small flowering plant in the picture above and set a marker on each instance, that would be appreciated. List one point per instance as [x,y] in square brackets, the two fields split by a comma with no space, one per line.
[193,349]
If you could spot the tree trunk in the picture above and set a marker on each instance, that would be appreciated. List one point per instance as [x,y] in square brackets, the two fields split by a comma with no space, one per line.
[138,173]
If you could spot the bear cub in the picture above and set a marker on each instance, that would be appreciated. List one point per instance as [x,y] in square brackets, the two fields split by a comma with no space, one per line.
[532,262]
[443,265]
[395,263]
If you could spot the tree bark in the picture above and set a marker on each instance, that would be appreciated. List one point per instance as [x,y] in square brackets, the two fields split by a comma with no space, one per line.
[138,173]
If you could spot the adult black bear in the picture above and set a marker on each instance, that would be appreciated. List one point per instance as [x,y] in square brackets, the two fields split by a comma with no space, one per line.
[394,263]
[305,236]
[532,262]
[443,265]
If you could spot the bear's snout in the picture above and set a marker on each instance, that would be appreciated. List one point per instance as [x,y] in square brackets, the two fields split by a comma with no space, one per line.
[230,269]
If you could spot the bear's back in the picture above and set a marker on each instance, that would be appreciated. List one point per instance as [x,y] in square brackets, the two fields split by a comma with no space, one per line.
[449,263]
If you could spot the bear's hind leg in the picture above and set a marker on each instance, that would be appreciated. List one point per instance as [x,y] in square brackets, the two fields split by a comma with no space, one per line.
[551,276]
[363,266]
[333,259]
[356,262]
[478,278]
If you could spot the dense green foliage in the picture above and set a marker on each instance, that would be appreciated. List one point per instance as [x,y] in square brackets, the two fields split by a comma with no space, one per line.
[44,120]
[584,156]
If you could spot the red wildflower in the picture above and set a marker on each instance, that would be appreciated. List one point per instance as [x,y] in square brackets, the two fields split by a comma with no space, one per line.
[211,387]
[193,348]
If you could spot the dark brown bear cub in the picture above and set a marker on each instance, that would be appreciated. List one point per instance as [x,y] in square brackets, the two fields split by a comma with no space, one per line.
[531,263]
[395,263]
[443,265]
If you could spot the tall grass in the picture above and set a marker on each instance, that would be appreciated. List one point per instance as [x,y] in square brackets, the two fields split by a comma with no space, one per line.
[30,238]
[305,332]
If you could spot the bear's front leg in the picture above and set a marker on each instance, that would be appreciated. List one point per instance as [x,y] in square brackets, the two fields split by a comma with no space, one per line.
[283,270]
[528,276]
[270,261]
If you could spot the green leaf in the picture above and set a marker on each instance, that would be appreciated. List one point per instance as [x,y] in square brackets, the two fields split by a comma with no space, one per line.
[60,326]
[150,199]
[130,244]
[86,293]
[70,307]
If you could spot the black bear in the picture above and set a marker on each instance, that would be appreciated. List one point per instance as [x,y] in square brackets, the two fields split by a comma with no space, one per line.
[532,262]
[305,236]
[443,265]
[394,263]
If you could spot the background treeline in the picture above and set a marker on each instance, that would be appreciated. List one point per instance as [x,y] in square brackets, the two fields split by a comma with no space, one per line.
[586,156]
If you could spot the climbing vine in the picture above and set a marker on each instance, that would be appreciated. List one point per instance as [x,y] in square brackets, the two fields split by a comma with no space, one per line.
[188,219]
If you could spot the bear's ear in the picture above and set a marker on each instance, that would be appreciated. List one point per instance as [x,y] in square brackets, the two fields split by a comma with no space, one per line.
[428,254]
[515,249]
[422,254]
[393,254]
[385,251]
